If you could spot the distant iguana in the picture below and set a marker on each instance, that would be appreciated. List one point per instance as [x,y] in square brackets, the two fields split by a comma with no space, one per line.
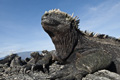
[81,52]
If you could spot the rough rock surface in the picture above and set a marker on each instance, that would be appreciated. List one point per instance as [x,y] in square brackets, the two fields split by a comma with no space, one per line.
[17,68]
[15,72]
[102,75]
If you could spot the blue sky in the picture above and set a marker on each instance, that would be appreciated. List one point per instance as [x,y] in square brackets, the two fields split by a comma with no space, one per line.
[20,21]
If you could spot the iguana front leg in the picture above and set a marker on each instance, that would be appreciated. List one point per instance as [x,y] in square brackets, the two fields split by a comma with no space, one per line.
[91,61]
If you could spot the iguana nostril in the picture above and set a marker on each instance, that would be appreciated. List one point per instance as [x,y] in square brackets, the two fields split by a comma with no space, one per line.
[44,17]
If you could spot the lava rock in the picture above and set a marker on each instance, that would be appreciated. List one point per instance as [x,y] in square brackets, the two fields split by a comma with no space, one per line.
[102,75]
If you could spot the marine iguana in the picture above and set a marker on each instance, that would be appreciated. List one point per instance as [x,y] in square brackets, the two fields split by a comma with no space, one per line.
[39,62]
[82,53]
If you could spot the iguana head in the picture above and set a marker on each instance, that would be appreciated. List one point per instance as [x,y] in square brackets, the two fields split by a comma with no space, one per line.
[62,28]
[58,21]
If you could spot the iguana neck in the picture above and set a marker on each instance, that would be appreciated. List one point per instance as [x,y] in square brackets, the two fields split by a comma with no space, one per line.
[65,44]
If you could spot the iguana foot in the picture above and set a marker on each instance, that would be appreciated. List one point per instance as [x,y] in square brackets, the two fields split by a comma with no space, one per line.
[69,72]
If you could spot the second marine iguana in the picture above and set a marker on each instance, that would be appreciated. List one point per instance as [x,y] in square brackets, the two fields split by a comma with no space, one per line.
[82,53]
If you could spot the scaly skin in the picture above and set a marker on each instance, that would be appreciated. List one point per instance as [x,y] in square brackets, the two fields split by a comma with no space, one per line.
[39,62]
[80,53]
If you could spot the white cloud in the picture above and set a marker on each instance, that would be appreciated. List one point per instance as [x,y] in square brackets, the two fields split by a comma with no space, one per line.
[102,18]
[28,46]
[93,9]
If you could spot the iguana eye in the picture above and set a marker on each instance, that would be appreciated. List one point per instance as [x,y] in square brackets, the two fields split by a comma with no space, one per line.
[46,14]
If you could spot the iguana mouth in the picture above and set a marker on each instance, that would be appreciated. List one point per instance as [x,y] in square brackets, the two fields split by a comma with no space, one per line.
[45,21]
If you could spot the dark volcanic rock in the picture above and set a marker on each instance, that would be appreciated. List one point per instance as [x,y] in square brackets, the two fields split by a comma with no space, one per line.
[16,62]
[8,59]
[102,75]
[15,72]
